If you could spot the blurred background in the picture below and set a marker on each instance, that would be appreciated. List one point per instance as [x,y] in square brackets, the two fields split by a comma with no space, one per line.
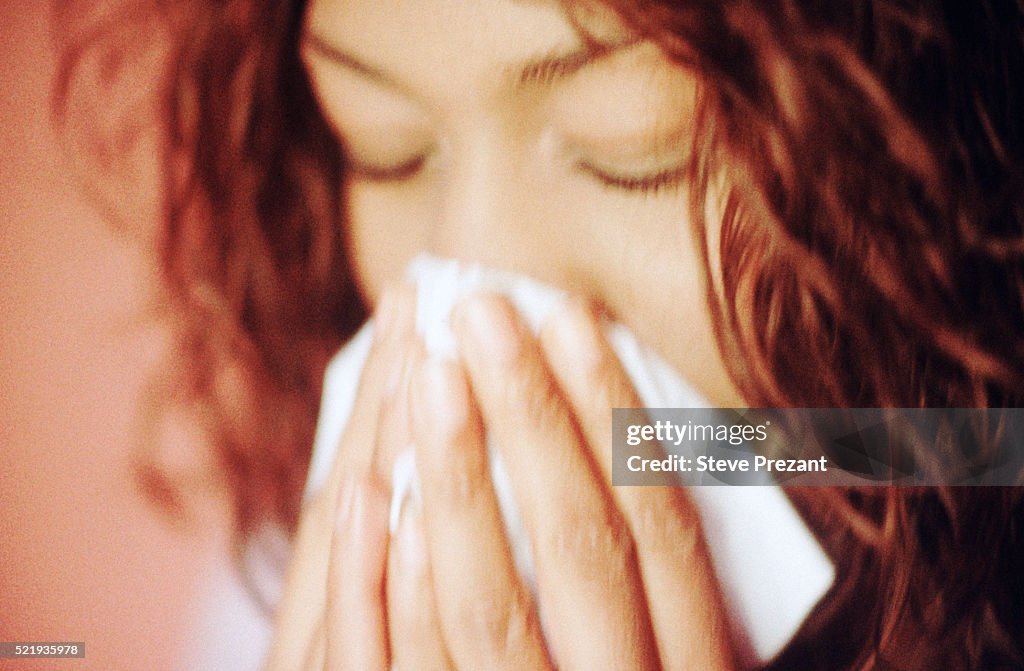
[83,555]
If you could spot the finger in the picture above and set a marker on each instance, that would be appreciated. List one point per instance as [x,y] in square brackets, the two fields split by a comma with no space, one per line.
[355,630]
[378,381]
[355,623]
[682,594]
[414,629]
[413,624]
[299,621]
[488,616]
[591,595]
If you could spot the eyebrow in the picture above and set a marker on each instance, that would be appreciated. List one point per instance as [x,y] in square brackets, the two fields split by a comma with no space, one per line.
[549,69]
[545,70]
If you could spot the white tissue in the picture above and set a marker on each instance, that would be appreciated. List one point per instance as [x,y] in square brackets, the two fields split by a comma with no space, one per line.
[771,569]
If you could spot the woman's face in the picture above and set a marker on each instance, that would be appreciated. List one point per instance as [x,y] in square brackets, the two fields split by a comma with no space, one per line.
[488,131]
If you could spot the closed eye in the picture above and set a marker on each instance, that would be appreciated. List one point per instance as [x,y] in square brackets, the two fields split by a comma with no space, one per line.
[671,178]
[391,173]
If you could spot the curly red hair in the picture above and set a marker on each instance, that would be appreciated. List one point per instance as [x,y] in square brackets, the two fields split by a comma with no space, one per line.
[867,163]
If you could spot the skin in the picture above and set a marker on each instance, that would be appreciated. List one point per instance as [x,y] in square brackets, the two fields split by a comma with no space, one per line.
[515,174]
[465,143]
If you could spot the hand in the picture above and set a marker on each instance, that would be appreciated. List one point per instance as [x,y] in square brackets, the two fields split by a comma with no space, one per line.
[624,579]
[354,484]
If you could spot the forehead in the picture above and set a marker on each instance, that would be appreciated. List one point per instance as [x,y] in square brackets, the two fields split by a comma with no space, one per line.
[437,45]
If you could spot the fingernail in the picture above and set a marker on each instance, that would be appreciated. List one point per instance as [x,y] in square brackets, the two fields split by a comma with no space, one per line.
[404,485]
[409,543]
[385,317]
[347,502]
[492,326]
[441,396]
[393,311]
[572,328]
[398,372]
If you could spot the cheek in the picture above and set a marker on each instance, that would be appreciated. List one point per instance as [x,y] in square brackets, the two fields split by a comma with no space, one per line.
[636,255]
[651,278]
[384,232]
[647,270]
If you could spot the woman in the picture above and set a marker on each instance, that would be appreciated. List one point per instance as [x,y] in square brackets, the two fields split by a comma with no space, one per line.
[797,204]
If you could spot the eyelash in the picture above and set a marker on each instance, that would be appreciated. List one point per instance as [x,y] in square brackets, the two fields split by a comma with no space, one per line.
[666,179]
[660,181]
[398,173]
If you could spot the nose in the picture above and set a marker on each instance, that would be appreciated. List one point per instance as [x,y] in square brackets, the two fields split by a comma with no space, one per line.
[491,210]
